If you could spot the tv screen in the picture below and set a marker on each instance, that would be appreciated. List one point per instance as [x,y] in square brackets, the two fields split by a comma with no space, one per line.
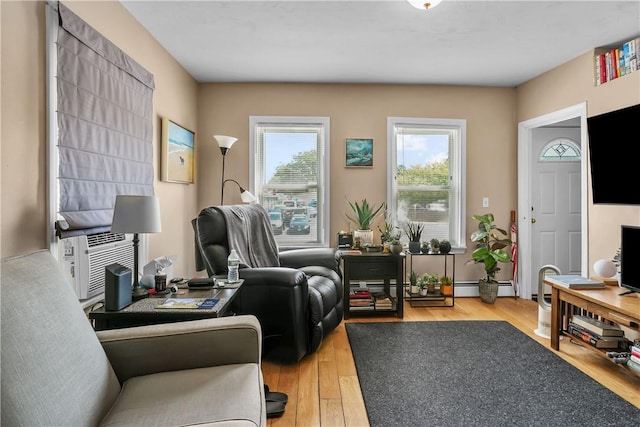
[630,258]
[613,137]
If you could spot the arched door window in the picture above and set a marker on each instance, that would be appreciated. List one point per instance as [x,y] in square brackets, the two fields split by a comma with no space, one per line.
[560,150]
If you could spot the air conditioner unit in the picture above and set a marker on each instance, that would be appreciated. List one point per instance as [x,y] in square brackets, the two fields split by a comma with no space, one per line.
[84,258]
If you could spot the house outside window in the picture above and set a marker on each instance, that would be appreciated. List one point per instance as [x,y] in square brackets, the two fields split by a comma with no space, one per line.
[290,176]
[426,164]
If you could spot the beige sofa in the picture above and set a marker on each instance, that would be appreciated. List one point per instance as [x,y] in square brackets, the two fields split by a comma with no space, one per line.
[56,371]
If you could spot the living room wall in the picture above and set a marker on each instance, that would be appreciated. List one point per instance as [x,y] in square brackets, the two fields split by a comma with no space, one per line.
[571,84]
[361,111]
[23,215]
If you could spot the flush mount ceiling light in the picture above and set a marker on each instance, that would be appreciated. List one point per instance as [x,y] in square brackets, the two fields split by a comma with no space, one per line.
[424,4]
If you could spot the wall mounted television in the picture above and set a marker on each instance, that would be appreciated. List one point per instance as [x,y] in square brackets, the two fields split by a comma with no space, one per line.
[614,169]
[630,258]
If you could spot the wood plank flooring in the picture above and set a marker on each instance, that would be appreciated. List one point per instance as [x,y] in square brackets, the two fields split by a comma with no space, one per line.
[324,390]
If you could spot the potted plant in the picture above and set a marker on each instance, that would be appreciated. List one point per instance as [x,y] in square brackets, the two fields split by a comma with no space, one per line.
[490,243]
[445,247]
[364,215]
[395,246]
[446,286]
[425,247]
[427,283]
[414,233]
[388,232]
[435,246]
[413,282]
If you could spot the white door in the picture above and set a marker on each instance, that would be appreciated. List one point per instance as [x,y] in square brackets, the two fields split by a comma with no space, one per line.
[556,201]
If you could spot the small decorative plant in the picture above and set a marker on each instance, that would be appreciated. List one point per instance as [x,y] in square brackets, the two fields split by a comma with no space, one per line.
[364,213]
[445,247]
[446,285]
[413,231]
[435,245]
[425,247]
[413,281]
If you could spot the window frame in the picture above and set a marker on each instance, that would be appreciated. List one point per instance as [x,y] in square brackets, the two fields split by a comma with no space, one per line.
[457,165]
[323,218]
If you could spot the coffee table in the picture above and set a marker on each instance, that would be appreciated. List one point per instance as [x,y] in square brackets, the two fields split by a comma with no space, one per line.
[144,311]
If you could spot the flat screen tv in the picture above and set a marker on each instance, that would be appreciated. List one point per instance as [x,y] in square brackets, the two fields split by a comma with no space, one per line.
[630,258]
[613,139]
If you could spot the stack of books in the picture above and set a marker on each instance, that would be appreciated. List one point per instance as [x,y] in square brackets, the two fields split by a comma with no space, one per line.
[383,301]
[634,359]
[597,333]
[360,299]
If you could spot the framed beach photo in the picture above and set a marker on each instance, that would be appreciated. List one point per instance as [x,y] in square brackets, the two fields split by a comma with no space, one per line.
[359,152]
[178,153]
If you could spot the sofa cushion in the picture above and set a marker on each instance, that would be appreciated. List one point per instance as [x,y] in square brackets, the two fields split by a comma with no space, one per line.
[221,395]
[54,370]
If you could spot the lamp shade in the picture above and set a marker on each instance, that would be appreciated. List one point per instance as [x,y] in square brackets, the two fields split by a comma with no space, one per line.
[136,214]
[247,197]
[225,141]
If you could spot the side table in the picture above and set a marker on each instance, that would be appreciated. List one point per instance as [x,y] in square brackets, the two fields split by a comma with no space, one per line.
[144,311]
[373,266]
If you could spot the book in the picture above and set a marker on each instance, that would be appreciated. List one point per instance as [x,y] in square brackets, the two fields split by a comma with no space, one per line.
[574,281]
[633,366]
[597,326]
[603,342]
[361,294]
[188,303]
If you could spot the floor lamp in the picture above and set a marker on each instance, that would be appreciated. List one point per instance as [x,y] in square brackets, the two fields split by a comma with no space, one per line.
[225,143]
[136,214]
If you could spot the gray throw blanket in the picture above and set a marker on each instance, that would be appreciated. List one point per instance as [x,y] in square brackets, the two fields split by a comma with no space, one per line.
[249,233]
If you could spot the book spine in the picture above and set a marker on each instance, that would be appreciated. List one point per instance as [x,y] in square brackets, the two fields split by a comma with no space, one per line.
[582,335]
[585,330]
[632,56]
[627,65]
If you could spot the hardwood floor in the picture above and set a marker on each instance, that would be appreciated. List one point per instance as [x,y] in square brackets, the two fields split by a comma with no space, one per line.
[324,390]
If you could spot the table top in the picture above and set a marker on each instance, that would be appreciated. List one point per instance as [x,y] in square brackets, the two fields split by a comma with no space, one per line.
[608,297]
[148,305]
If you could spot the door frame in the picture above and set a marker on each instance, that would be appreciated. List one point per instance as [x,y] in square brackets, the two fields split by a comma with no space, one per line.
[525,155]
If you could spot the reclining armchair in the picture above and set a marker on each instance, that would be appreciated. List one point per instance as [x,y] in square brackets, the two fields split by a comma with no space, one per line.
[297,295]
[56,371]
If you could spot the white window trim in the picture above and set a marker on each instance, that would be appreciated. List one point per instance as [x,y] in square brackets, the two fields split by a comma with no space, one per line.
[324,171]
[458,167]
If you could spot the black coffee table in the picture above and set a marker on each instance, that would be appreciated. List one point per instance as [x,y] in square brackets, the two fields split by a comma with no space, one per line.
[144,311]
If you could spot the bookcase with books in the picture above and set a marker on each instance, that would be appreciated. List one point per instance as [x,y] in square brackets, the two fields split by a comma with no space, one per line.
[618,60]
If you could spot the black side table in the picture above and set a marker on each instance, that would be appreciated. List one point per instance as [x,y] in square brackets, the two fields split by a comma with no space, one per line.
[383,267]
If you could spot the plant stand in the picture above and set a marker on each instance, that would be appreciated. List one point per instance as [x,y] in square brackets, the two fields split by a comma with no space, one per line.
[435,298]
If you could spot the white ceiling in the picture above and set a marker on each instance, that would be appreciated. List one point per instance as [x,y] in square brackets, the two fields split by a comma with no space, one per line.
[486,43]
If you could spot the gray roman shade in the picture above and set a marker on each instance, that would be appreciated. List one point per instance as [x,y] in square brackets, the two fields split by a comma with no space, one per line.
[105,127]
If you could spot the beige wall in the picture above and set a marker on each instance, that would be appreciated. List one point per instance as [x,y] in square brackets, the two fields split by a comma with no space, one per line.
[23,151]
[571,84]
[355,111]
[361,111]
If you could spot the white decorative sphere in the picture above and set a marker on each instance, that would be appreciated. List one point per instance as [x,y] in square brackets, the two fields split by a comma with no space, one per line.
[605,268]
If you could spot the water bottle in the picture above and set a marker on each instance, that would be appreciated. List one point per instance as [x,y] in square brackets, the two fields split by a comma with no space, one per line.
[232,266]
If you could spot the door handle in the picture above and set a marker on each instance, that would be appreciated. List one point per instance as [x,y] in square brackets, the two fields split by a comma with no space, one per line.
[533,220]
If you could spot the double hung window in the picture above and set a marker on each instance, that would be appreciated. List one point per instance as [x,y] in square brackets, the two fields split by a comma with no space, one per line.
[426,176]
[289,174]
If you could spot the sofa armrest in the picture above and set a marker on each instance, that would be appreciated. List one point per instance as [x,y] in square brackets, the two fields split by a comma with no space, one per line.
[176,346]
[298,258]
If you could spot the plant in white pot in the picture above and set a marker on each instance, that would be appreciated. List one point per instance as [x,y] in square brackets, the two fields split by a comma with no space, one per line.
[364,215]
[491,242]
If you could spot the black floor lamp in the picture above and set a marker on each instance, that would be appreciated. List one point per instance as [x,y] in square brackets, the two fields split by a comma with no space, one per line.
[136,214]
[225,143]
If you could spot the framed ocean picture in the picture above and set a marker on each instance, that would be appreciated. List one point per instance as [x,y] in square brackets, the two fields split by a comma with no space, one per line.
[359,152]
[178,153]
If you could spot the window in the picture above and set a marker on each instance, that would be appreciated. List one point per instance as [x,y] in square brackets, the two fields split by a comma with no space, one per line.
[426,176]
[560,150]
[289,174]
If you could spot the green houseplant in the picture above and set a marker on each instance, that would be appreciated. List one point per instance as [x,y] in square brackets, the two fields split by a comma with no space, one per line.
[446,286]
[413,281]
[491,242]
[435,246]
[413,231]
[363,215]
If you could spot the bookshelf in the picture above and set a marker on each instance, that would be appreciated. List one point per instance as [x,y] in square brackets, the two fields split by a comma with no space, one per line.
[615,61]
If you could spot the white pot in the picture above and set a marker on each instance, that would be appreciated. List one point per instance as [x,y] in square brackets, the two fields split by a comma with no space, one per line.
[415,289]
[423,292]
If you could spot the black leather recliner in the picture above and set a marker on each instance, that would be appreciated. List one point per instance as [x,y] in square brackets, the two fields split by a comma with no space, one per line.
[297,303]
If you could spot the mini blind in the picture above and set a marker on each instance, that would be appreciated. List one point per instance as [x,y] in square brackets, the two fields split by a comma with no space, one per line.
[105,127]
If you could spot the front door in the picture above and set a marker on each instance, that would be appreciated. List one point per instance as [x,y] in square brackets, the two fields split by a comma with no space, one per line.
[556,201]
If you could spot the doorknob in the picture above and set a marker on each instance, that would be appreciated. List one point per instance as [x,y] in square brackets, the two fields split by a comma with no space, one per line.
[533,220]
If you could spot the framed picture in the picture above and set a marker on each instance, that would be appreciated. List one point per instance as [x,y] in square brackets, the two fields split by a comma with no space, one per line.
[359,152]
[178,153]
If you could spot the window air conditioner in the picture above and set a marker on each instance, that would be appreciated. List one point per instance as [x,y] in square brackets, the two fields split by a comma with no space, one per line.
[84,258]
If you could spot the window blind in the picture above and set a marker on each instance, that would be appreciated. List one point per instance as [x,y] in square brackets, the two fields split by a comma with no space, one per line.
[105,127]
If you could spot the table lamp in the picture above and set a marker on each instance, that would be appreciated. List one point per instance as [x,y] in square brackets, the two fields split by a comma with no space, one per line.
[136,214]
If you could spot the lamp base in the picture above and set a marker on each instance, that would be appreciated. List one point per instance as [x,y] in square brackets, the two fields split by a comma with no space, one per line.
[139,293]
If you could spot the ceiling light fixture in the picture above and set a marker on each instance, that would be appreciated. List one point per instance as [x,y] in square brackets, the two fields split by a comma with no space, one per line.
[424,4]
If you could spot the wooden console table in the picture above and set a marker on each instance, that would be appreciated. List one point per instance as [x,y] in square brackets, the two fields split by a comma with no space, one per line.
[606,304]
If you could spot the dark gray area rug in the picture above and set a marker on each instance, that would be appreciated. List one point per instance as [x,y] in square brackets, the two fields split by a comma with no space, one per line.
[474,373]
